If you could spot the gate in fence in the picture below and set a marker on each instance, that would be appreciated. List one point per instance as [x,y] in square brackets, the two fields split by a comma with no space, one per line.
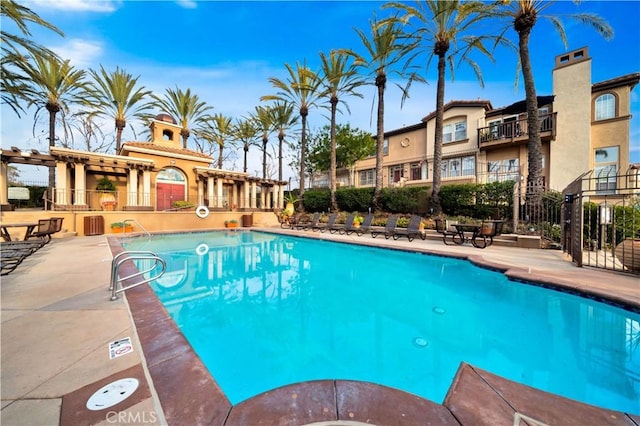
[600,219]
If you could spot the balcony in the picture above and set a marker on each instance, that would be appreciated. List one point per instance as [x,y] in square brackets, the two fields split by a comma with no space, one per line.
[515,132]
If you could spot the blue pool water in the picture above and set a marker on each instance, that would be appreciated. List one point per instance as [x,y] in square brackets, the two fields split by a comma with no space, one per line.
[264,311]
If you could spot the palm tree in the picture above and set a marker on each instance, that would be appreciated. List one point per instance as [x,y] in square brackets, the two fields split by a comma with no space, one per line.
[442,32]
[262,120]
[523,15]
[283,118]
[384,50]
[222,129]
[118,97]
[186,107]
[17,49]
[339,77]
[302,90]
[245,132]
[54,86]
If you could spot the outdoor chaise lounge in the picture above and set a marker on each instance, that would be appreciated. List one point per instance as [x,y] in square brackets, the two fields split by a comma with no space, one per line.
[389,228]
[341,227]
[364,227]
[321,226]
[412,230]
[309,223]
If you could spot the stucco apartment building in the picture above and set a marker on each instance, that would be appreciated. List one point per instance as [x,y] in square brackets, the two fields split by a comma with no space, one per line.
[584,126]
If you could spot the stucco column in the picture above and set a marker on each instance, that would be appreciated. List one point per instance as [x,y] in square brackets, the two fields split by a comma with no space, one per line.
[254,193]
[146,188]
[219,192]
[234,195]
[267,205]
[132,188]
[210,191]
[245,193]
[281,200]
[4,187]
[81,185]
[61,184]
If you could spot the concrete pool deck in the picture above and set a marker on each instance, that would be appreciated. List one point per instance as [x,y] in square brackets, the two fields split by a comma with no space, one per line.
[57,323]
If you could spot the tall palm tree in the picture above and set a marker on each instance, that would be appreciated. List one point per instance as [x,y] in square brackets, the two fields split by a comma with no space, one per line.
[523,16]
[283,118]
[339,77]
[262,119]
[443,28]
[246,132]
[118,97]
[17,49]
[222,127]
[54,85]
[186,107]
[384,51]
[302,90]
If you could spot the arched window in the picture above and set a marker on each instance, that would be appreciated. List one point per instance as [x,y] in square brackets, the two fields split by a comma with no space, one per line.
[605,107]
[171,186]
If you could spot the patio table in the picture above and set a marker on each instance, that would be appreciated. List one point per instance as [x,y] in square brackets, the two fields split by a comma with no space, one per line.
[4,231]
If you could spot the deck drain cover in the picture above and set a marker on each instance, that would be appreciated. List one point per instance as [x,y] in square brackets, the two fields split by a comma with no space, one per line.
[111,394]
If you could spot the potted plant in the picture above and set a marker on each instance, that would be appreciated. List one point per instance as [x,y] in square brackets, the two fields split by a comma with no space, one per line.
[108,188]
[291,199]
[121,227]
[231,223]
[357,221]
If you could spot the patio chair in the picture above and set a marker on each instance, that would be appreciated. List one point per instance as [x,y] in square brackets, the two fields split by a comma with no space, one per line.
[364,227]
[389,228]
[488,230]
[11,257]
[309,223]
[341,227]
[320,226]
[44,230]
[412,230]
[441,228]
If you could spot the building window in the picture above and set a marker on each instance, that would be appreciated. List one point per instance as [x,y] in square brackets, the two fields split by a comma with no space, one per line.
[385,149]
[605,107]
[468,166]
[455,165]
[503,170]
[606,168]
[454,132]
[367,177]
[396,173]
[416,171]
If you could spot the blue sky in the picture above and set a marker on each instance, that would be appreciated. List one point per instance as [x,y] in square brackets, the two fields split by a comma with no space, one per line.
[226,51]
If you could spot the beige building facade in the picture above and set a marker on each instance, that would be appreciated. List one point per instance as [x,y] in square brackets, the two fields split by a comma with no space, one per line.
[584,127]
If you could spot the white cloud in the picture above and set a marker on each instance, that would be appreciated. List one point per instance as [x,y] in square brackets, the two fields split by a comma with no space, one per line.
[81,53]
[103,6]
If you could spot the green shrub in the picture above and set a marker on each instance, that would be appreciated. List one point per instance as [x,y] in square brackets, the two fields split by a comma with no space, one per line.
[355,199]
[317,200]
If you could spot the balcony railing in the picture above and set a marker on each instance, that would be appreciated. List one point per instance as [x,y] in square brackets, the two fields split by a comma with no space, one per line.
[517,130]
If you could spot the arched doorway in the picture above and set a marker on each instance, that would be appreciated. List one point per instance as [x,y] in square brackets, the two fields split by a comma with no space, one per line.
[171,185]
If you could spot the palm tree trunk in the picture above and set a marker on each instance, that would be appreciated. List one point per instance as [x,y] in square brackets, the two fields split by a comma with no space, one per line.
[246,150]
[220,156]
[381,81]
[303,158]
[280,143]
[264,157]
[52,139]
[436,205]
[120,125]
[534,177]
[333,162]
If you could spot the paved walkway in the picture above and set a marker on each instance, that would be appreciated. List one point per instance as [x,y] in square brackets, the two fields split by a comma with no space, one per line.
[57,323]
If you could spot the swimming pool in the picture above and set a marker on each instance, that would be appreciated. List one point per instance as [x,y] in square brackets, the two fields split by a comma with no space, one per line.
[263,311]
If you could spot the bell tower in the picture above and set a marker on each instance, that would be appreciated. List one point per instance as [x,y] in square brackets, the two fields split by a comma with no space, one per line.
[165,131]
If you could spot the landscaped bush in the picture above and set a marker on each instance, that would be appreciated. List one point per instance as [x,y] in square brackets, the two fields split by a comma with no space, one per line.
[403,200]
[355,199]
[317,200]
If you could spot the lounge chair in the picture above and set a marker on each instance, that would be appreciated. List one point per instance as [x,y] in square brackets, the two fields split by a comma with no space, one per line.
[364,227]
[44,230]
[320,226]
[14,252]
[455,237]
[412,230]
[341,227]
[484,237]
[389,228]
[309,223]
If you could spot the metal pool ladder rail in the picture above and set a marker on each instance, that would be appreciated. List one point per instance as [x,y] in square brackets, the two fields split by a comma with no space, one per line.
[152,262]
